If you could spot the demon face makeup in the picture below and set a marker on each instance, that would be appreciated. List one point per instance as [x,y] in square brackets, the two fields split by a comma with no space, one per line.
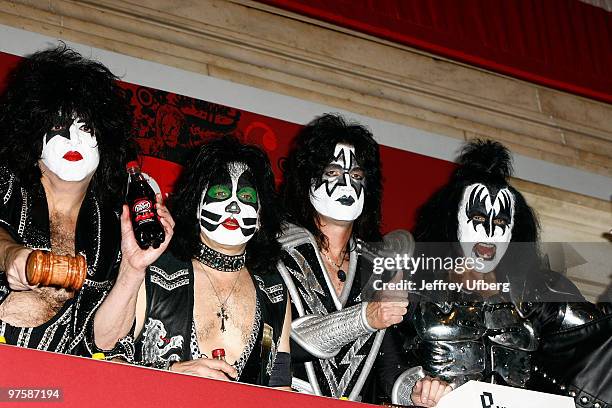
[70,149]
[486,219]
[229,207]
[339,193]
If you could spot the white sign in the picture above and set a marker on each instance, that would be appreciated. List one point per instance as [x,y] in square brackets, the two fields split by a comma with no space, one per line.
[475,394]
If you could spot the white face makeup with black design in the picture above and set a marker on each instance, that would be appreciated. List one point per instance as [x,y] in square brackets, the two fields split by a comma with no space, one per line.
[70,150]
[339,193]
[486,219]
[229,207]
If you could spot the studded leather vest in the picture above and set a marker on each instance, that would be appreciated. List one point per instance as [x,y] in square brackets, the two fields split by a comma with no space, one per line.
[24,215]
[168,333]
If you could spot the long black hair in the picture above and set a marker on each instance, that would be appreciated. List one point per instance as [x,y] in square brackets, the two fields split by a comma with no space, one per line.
[60,81]
[312,151]
[487,162]
[211,157]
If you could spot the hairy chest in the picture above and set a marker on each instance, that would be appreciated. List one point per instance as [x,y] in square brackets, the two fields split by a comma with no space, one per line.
[33,308]
[224,319]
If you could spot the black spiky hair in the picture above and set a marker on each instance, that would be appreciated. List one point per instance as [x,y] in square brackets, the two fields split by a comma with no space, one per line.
[485,158]
[61,82]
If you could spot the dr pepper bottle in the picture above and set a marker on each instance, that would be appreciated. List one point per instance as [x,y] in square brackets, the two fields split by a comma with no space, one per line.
[140,198]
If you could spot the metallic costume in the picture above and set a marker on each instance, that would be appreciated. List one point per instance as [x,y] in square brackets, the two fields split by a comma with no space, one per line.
[537,333]
[338,346]
[324,335]
[500,342]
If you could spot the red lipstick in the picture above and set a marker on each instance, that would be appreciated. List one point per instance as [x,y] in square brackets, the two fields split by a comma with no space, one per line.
[231,224]
[73,156]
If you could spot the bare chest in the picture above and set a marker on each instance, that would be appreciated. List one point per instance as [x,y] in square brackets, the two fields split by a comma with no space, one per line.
[62,231]
[224,320]
[35,307]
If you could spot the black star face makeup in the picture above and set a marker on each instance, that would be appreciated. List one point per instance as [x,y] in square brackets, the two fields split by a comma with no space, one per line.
[70,149]
[229,206]
[339,193]
[486,219]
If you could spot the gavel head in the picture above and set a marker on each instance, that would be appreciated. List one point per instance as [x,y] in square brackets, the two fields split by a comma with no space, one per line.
[48,269]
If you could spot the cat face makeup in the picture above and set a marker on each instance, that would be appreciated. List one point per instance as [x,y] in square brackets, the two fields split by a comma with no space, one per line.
[70,150]
[339,193]
[486,219]
[229,207]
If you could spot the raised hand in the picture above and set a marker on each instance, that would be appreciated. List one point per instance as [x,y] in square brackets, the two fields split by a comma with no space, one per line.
[382,314]
[134,259]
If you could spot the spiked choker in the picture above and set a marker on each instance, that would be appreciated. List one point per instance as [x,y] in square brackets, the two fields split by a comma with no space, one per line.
[219,261]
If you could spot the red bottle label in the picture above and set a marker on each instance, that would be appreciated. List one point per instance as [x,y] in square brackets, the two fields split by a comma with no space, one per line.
[142,208]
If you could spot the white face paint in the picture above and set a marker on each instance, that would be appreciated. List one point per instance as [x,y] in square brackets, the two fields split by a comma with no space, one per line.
[71,151]
[339,193]
[486,219]
[229,207]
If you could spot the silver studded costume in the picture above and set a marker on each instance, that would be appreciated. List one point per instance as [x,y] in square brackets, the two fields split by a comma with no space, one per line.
[470,341]
[324,335]
[541,346]
[338,348]
[536,331]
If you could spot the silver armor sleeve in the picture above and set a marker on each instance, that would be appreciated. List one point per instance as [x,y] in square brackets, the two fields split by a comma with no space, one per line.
[402,388]
[579,313]
[323,336]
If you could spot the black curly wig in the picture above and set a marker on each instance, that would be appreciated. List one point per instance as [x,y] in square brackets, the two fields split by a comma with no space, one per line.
[60,81]
[263,250]
[487,162]
[312,151]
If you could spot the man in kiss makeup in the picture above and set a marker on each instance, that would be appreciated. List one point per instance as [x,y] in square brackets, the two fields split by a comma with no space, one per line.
[512,321]
[332,190]
[65,130]
[218,287]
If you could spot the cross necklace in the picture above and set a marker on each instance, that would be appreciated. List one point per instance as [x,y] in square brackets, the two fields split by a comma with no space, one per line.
[222,313]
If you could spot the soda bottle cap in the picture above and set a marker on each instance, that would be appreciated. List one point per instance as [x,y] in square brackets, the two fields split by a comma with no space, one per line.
[216,353]
[132,164]
[98,356]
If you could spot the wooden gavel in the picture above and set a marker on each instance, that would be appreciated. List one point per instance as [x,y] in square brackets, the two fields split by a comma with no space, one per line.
[48,269]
